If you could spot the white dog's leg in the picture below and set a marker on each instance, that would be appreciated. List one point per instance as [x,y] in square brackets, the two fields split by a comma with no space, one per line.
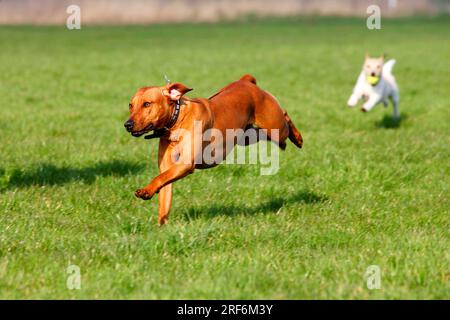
[357,92]
[353,100]
[395,101]
[373,100]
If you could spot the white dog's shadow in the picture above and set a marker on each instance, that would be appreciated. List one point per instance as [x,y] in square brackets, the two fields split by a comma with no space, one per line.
[390,122]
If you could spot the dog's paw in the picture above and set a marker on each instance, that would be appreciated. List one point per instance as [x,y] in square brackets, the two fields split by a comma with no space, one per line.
[352,102]
[162,220]
[143,194]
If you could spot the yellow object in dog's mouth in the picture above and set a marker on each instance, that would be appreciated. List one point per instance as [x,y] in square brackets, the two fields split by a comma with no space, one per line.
[373,80]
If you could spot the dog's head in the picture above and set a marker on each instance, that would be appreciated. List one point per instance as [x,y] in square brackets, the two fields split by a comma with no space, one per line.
[373,66]
[151,107]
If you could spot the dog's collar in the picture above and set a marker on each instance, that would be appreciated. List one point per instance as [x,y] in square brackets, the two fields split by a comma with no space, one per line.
[174,116]
[173,119]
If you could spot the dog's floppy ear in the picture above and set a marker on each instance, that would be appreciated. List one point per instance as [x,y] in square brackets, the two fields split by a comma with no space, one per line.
[175,91]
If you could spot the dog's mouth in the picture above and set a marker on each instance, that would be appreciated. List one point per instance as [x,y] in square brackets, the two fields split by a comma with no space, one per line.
[373,80]
[143,131]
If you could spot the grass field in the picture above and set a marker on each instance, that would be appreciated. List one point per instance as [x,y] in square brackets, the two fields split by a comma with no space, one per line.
[363,191]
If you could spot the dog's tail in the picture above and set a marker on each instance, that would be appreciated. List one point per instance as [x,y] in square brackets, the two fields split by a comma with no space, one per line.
[248,77]
[388,66]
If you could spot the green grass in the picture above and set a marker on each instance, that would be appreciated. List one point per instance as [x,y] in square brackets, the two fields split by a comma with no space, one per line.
[363,191]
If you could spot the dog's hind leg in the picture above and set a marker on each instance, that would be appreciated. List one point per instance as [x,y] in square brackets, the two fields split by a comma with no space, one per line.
[285,129]
[269,116]
[272,131]
[254,134]
[395,101]
[294,135]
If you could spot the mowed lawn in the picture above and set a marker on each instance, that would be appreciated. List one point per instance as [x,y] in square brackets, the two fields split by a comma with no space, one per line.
[363,191]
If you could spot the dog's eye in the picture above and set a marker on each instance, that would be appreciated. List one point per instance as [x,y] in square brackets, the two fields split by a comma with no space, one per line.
[130,106]
[147,104]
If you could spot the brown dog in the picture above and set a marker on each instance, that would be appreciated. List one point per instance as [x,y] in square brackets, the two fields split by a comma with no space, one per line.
[179,122]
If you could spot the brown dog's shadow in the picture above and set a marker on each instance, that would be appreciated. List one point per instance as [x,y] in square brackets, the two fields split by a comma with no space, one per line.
[50,174]
[269,206]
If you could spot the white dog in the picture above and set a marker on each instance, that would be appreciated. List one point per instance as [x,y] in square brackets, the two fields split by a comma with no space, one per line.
[376,84]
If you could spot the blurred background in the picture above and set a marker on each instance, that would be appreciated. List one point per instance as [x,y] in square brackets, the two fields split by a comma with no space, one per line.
[162,11]
[365,189]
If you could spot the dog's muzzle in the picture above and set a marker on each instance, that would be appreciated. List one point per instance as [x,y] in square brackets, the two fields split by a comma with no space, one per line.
[143,131]
[129,125]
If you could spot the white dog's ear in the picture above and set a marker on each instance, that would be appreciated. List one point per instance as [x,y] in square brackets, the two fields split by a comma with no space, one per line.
[175,91]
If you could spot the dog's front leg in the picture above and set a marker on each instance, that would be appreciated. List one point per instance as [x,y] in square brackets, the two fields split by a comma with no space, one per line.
[165,194]
[357,93]
[353,100]
[176,159]
[173,174]
[175,163]
[165,203]
[371,102]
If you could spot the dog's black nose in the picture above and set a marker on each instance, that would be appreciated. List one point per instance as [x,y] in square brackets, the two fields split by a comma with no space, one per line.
[373,74]
[129,125]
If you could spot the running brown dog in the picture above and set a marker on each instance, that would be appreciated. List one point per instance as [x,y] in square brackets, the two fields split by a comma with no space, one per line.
[178,121]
